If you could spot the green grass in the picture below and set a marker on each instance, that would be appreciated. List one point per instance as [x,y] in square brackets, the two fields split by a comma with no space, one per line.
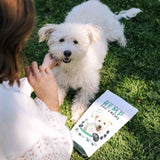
[132,73]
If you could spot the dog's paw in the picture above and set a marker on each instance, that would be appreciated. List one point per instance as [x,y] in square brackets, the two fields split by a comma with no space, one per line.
[75,119]
[77,112]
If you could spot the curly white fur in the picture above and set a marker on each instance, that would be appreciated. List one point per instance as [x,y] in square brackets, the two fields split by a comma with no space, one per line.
[81,45]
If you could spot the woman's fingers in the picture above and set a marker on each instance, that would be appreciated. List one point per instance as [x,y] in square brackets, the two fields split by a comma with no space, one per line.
[41,68]
[48,70]
[42,71]
[34,67]
[49,61]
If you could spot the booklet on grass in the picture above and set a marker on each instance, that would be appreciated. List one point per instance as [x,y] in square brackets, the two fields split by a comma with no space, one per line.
[100,122]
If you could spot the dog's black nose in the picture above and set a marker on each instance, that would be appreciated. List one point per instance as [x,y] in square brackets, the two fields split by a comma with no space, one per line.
[99,127]
[67,53]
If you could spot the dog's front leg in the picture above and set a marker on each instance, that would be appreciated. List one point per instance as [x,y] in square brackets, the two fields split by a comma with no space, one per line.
[81,102]
[61,94]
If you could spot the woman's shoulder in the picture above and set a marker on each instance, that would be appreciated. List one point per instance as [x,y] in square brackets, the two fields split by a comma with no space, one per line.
[24,87]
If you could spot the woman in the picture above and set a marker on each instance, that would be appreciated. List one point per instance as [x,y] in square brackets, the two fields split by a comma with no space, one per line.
[29,128]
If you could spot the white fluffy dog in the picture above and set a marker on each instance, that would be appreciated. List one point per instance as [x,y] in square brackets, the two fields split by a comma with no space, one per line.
[80,43]
[99,125]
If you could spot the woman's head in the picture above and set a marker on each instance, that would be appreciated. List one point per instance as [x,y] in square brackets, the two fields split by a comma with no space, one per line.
[16,23]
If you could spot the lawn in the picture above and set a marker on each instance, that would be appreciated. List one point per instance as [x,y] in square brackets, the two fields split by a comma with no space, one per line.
[132,73]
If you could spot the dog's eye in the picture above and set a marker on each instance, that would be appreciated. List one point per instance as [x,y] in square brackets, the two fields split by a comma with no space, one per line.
[61,40]
[75,42]
[99,120]
[104,123]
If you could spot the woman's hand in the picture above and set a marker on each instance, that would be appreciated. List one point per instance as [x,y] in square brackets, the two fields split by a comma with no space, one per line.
[49,61]
[44,85]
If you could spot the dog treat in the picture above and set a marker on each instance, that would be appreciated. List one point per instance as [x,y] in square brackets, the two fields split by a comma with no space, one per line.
[100,122]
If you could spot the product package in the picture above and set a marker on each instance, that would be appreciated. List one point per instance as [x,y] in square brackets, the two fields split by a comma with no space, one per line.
[100,122]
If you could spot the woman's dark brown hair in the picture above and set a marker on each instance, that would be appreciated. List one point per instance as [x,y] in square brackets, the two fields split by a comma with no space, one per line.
[17,19]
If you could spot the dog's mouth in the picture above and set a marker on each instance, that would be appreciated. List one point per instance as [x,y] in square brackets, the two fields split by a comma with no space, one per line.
[98,128]
[66,60]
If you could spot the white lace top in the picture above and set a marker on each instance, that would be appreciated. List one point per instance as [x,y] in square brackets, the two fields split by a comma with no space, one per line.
[28,129]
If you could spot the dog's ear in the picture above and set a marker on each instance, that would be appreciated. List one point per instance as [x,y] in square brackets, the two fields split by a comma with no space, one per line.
[93,32]
[45,32]
[95,115]
[110,123]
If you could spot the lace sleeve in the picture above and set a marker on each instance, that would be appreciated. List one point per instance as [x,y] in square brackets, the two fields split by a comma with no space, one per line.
[46,149]
[55,119]
[58,147]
